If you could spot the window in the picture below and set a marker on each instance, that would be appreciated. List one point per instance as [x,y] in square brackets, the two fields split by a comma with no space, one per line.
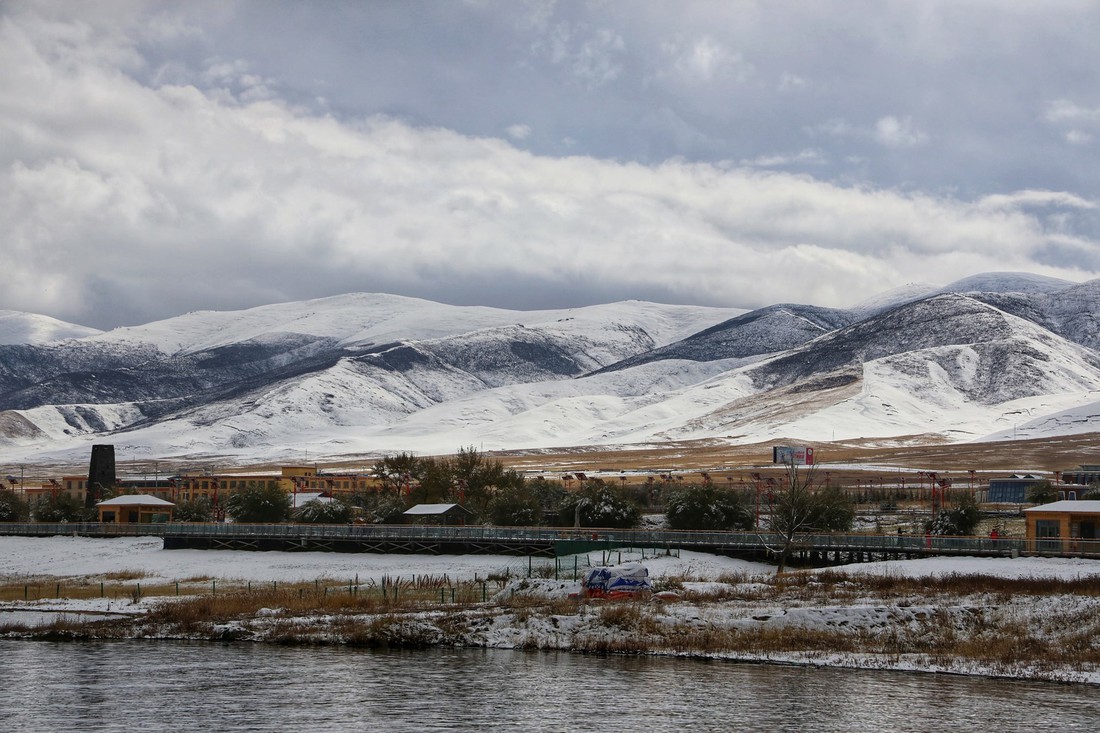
[1047,532]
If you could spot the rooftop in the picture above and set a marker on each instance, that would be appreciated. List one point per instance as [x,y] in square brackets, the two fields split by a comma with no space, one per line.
[1068,506]
[142,500]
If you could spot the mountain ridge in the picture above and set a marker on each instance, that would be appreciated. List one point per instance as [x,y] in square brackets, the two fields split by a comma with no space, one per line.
[364,374]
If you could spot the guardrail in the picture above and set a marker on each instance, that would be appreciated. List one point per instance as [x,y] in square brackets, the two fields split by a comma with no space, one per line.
[818,542]
[82,529]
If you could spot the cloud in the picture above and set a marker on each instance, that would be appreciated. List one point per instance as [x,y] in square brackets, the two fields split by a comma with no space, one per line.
[789,82]
[592,56]
[704,60]
[518,132]
[898,133]
[807,156]
[1079,124]
[1036,199]
[888,131]
[1063,110]
[127,196]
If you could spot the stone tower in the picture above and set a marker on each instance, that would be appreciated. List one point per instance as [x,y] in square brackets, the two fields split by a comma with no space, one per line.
[101,473]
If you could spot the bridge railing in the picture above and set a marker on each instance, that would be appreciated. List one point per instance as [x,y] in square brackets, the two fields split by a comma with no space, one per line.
[84,529]
[821,542]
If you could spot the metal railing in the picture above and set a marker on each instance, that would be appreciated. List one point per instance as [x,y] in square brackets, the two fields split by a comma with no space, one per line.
[817,542]
[83,529]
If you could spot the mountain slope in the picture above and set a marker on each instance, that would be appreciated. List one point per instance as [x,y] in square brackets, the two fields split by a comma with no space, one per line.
[759,332]
[366,374]
[216,366]
[17,327]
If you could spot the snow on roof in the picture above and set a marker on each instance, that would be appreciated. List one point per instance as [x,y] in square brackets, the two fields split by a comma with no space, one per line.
[1069,506]
[135,500]
[432,509]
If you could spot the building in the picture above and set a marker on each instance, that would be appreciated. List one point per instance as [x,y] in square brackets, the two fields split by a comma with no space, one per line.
[1085,475]
[1013,490]
[1064,526]
[135,509]
[75,486]
[446,514]
[291,479]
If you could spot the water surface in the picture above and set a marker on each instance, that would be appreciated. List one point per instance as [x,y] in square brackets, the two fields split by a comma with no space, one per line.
[206,687]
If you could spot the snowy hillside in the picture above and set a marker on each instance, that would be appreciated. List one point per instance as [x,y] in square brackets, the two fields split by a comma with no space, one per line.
[362,374]
[365,319]
[763,331]
[27,328]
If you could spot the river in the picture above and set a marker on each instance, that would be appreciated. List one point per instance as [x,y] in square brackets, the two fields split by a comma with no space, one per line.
[208,687]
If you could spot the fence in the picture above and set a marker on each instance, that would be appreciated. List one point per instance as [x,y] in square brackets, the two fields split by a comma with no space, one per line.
[548,541]
[81,529]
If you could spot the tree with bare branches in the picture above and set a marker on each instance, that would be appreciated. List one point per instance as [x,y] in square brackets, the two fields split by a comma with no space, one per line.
[797,508]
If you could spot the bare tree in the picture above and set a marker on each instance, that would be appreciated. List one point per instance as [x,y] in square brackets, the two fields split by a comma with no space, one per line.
[797,509]
[792,511]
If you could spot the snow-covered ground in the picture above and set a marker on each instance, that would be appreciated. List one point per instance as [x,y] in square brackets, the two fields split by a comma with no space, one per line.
[722,598]
[64,557]
[1000,567]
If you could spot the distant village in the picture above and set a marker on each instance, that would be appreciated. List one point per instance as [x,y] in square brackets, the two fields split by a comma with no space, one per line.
[1071,509]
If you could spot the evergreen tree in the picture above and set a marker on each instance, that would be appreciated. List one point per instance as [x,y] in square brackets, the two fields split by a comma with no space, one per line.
[960,520]
[259,503]
[708,508]
[12,507]
[598,505]
[59,507]
[198,510]
[1042,493]
[380,507]
[515,506]
[324,512]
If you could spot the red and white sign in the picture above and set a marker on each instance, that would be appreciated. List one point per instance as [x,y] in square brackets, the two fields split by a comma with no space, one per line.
[795,455]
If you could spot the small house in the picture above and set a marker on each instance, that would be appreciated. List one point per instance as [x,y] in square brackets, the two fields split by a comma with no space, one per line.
[135,509]
[444,514]
[1064,526]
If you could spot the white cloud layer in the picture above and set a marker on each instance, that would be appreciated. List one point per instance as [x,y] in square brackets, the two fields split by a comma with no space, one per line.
[131,190]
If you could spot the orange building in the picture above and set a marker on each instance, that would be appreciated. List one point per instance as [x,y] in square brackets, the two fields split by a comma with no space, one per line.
[1064,527]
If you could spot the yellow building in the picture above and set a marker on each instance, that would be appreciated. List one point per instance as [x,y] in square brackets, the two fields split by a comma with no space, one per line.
[135,509]
[1064,527]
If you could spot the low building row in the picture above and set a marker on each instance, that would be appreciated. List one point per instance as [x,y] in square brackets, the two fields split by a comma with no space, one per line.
[215,487]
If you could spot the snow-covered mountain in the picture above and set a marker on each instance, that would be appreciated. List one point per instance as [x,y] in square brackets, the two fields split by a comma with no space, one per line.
[993,356]
[17,327]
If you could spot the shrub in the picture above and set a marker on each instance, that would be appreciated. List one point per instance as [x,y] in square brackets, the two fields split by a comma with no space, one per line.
[708,507]
[834,510]
[259,503]
[198,510]
[599,505]
[515,506]
[1042,493]
[961,519]
[12,507]
[59,507]
[380,507]
[324,512]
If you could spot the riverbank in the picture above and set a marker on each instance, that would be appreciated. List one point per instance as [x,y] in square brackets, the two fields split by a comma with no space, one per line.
[1021,618]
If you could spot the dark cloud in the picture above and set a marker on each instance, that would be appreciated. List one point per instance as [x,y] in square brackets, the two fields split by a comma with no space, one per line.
[158,157]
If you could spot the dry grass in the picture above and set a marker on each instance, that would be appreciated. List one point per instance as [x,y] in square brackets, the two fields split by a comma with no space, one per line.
[1014,626]
[919,452]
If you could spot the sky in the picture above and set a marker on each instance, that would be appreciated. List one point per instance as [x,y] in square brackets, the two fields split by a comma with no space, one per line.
[161,157]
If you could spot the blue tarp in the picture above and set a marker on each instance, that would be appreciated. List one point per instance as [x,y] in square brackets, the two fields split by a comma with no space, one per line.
[619,580]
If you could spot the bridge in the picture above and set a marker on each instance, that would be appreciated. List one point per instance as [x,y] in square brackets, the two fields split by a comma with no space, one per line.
[555,542]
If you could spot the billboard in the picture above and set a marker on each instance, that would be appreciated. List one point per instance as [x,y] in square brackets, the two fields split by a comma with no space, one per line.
[795,455]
